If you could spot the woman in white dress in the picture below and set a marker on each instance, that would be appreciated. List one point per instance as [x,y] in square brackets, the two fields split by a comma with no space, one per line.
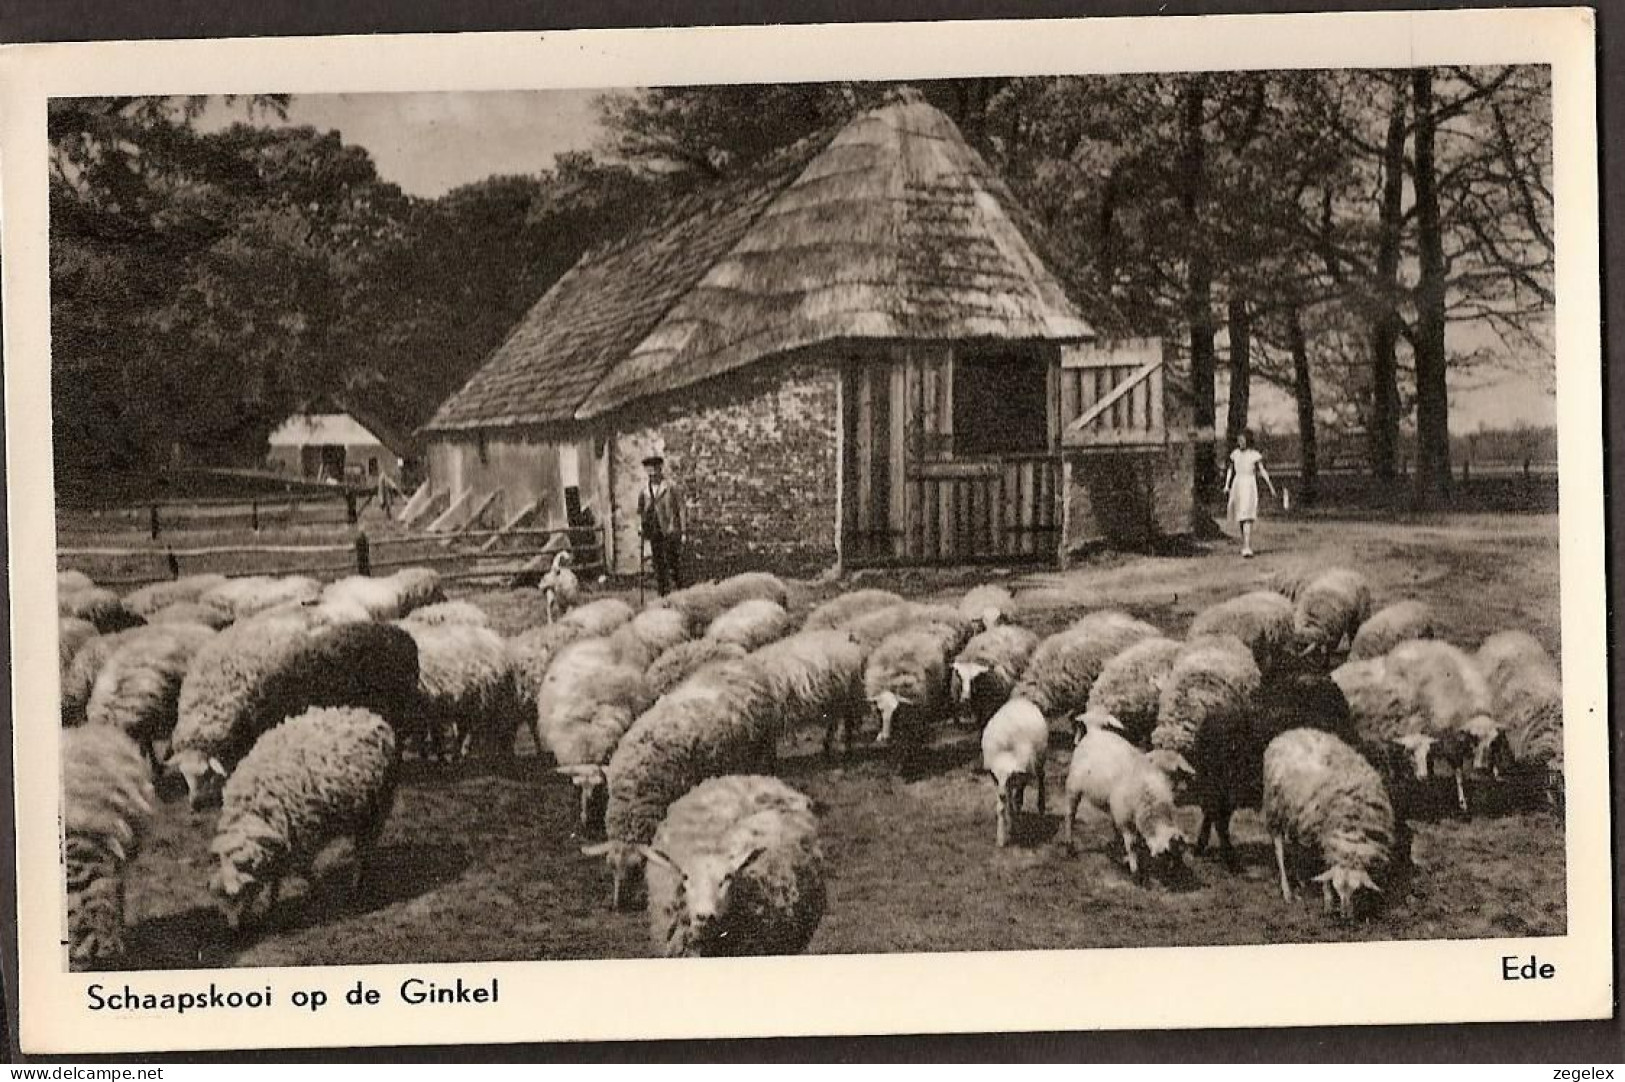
[1241,483]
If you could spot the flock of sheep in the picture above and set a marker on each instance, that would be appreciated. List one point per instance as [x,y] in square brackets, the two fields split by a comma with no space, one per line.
[291,704]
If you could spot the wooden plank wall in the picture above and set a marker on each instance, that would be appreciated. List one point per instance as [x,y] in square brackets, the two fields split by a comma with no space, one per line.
[1089,374]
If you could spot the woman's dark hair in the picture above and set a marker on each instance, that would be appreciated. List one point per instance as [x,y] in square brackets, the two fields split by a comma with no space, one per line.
[1245,434]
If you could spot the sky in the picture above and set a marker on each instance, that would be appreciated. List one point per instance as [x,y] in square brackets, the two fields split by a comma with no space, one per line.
[429,143]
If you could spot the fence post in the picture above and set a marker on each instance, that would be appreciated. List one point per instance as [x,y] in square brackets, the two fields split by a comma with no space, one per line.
[174,563]
[254,514]
[154,521]
[349,507]
[363,554]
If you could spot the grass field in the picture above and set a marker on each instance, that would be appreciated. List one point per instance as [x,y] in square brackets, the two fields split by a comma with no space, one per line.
[480,860]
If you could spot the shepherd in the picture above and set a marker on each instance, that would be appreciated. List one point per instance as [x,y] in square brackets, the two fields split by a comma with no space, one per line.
[660,510]
[1241,484]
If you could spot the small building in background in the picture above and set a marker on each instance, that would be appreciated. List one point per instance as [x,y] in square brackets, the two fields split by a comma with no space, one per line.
[335,445]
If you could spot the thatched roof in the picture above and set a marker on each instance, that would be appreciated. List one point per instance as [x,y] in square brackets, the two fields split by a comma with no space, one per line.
[892,227]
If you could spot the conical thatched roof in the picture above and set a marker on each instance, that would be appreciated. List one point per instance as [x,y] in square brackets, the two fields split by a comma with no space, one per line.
[891,227]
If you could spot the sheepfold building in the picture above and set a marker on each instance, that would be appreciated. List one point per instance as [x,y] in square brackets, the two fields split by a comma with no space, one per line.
[333,444]
[852,355]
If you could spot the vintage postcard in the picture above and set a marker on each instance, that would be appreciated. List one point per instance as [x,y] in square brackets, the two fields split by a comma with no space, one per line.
[848,529]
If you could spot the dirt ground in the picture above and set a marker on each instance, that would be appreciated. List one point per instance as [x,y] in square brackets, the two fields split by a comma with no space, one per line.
[480,861]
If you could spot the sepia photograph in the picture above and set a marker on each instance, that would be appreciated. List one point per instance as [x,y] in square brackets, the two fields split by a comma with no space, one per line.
[951,513]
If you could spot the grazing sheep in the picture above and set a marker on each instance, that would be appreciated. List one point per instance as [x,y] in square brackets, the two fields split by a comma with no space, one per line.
[600,617]
[1119,779]
[560,587]
[751,624]
[101,607]
[191,612]
[986,670]
[255,594]
[1064,666]
[107,803]
[1330,609]
[251,676]
[71,633]
[721,720]
[87,664]
[418,587]
[139,687]
[382,598]
[704,602]
[874,627]
[686,658]
[735,870]
[1391,625]
[839,610]
[1129,687]
[160,595]
[1262,620]
[987,605]
[1449,701]
[69,581]
[587,702]
[1289,582]
[529,655]
[906,679]
[1015,742]
[816,677]
[326,775]
[649,634]
[1322,796]
[466,696]
[1526,695]
[450,612]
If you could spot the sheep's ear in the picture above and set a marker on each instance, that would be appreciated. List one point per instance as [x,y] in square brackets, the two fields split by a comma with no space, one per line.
[1364,879]
[655,856]
[597,849]
[741,861]
[215,765]
[1323,877]
[1183,765]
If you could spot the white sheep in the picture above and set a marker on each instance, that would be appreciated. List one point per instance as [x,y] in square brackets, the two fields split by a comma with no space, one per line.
[1015,743]
[1391,625]
[1129,687]
[383,599]
[587,702]
[1448,702]
[1262,620]
[1330,610]
[1064,667]
[530,653]
[686,658]
[255,594]
[704,602]
[87,664]
[600,617]
[751,623]
[838,610]
[450,612]
[988,605]
[816,677]
[138,689]
[191,612]
[101,607]
[560,587]
[1322,796]
[874,627]
[649,634]
[107,804]
[906,680]
[735,869]
[419,587]
[985,672]
[160,595]
[326,775]
[1119,779]
[1526,695]
[1289,582]
[71,633]
[467,698]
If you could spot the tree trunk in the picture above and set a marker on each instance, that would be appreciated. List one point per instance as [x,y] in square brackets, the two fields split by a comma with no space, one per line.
[1303,390]
[1384,415]
[1241,365]
[1198,280]
[1432,394]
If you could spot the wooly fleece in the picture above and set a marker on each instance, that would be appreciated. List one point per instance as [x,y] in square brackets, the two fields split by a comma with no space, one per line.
[1526,693]
[191,612]
[1322,796]
[1119,779]
[1392,625]
[71,634]
[734,870]
[599,617]
[839,610]
[466,700]
[101,607]
[686,658]
[160,595]
[1064,667]
[649,634]
[751,624]
[107,804]
[986,670]
[906,678]
[987,605]
[1289,582]
[719,721]
[1445,688]
[382,598]
[816,677]
[1015,742]
[86,665]
[585,677]
[69,581]
[1330,609]
[418,587]
[318,777]
[1211,679]
[254,594]
[1129,687]
[704,602]
[139,687]
[1262,620]
[529,655]
[450,612]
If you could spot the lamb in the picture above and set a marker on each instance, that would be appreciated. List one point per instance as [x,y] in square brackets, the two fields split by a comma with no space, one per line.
[751,624]
[1323,796]
[1015,742]
[1129,687]
[587,702]
[987,604]
[686,658]
[450,612]
[600,617]
[1262,620]
[1391,625]
[838,610]
[138,689]
[649,634]
[101,607]
[71,633]
[986,670]
[906,678]
[107,804]
[191,612]
[816,677]
[735,870]
[1526,694]
[69,581]
[719,721]
[466,696]
[326,775]
[560,587]
[1119,779]
[1064,666]
[160,595]
[1330,609]
[251,676]
[702,603]
[529,655]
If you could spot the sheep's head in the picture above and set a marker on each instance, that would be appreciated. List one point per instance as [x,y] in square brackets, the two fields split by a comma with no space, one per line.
[966,673]
[1346,884]
[590,781]
[705,887]
[242,850]
[624,859]
[1094,719]
[1419,748]
[205,777]
[1492,751]
[886,705]
[990,618]
[1170,762]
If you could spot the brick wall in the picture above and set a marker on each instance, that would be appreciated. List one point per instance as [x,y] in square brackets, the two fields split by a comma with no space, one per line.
[755,454]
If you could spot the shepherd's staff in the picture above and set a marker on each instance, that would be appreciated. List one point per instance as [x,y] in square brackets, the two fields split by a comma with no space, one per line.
[641,542]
